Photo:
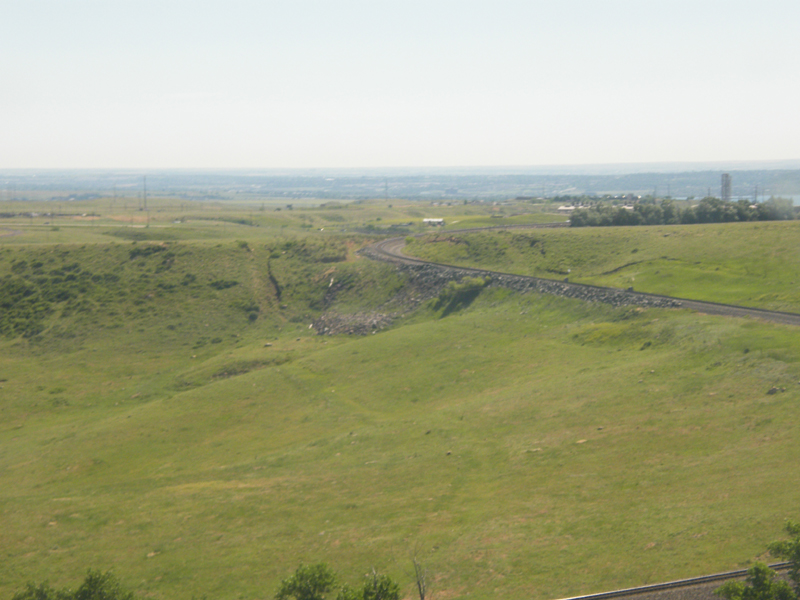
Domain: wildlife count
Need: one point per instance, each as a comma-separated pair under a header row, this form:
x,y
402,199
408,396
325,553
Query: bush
x,y
40,592
376,587
223,284
101,586
761,583
315,581
308,583
96,586
789,550
145,251
459,295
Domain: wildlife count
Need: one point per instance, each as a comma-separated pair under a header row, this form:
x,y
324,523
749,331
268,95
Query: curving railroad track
x,y
392,250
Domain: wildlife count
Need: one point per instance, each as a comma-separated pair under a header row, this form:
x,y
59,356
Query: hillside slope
x,y
151,429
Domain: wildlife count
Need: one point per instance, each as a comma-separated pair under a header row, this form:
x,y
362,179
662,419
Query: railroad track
x,y
695,588
678,589
392,250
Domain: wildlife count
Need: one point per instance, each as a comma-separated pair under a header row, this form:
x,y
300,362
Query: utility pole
x,y
144,184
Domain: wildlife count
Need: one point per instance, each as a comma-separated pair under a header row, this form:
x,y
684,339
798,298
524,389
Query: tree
x,y
380,587
714,210
421,580
761,585
775,209
101,586
40,592
96,586
671,212
376,587
789,550
744,212
311,582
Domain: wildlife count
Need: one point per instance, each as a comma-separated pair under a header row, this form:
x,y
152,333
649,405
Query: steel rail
x,y
692,581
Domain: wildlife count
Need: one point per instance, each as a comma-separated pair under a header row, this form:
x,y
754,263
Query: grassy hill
x,y
751,264
196,436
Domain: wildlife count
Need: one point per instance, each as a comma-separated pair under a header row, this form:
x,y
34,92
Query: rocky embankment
x,y
428,280
355,324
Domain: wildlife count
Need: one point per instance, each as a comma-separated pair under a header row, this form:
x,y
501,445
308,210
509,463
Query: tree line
x,y
309,582
319,582
669,212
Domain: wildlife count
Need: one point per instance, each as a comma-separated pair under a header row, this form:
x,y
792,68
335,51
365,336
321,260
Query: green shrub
x,y
760,585
762,582
375,587
789,550
223,284
146,250
311,582
42,592
96,586
101,586
456,296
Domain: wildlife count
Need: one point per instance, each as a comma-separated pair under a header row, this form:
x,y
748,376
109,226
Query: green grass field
x,y
195,436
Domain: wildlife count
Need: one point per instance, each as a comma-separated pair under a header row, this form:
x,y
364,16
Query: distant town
x,y
754,181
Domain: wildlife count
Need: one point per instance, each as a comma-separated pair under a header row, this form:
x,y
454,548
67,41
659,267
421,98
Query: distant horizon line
x,y
621,168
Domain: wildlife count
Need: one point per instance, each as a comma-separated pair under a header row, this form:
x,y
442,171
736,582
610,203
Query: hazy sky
x,y
138,84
